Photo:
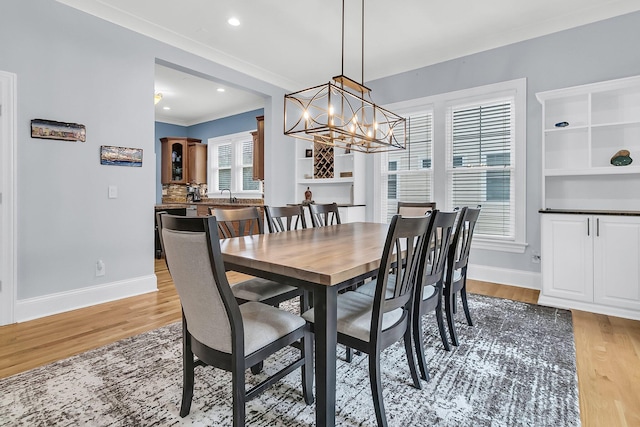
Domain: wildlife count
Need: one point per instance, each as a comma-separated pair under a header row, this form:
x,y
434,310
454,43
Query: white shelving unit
x,y
603,119
342,190
591,208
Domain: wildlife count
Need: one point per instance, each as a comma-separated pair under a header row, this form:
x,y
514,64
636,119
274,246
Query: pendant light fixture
x,y
341,114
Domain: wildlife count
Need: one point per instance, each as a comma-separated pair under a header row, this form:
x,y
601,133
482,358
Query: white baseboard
x,y
33,308
505,276
590,307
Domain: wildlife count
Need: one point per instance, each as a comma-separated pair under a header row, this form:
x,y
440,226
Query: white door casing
x,y
8,142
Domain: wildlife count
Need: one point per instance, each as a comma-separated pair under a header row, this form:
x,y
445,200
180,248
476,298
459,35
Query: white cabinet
x,y
336,176
590,257
592,263
601,119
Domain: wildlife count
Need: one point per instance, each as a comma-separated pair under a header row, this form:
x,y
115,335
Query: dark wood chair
x,y
371,324
234,222
428,296
216,329
323,215
415,208
241,222
284,218
458,261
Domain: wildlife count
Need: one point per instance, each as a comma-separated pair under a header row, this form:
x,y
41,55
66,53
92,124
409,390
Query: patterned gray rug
x,y
516,367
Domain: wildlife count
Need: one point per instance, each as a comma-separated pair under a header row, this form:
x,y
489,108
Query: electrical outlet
x,y
100,268
535,257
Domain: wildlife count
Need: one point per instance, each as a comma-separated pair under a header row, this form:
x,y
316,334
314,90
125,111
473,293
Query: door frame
x,y
8,217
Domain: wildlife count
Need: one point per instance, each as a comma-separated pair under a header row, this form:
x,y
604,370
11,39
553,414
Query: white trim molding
x,y
34,308
588,306
505,276
8,239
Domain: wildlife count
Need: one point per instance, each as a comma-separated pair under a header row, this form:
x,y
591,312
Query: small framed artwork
x,y
308,152
50,129
120,156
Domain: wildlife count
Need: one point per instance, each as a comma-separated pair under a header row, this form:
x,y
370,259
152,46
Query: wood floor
x,y
607,348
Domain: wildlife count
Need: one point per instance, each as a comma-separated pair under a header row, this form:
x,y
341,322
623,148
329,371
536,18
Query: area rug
x,y
516,367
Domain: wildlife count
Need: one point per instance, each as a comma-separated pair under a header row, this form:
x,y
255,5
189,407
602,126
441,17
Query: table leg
x,y
325,311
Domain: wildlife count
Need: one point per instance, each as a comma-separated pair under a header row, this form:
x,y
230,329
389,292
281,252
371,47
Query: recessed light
x,y
234,22
220,89
166,108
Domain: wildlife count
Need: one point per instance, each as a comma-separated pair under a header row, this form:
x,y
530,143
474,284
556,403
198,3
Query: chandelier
x,y
340,113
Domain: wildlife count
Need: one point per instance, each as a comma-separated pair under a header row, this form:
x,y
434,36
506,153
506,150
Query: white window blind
x,y
480,163
407,174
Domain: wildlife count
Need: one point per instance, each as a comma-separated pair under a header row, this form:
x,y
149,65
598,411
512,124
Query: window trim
x,y
236,140
439,105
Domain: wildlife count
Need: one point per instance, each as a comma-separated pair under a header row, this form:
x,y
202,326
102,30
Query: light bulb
x,y
331,110
306,115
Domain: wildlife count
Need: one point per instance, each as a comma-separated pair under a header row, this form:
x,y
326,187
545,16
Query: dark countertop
x,y
589,212
340,205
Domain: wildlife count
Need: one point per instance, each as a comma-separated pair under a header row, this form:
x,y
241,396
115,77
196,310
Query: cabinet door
x,y
197,171
616,261
567,256
258,150
174,154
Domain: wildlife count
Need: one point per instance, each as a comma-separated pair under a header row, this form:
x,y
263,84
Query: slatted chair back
x,y
415,208
440,236
461,243
285,218
324,214
234,222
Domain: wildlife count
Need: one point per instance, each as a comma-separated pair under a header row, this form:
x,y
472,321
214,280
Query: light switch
x,y
113,192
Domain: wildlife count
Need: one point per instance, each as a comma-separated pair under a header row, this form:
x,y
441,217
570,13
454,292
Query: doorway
x,y
8,137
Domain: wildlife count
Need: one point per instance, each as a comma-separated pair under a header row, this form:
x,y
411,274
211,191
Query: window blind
x,y
407,174
481,149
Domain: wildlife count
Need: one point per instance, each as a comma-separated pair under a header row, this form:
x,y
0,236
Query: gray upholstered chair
x,y
217,330
429,292
372,323
285,218
323,215
415,208
456,273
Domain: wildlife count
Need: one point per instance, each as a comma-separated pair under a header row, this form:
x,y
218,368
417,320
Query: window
x,y
231,164
478,157
480,143
407,175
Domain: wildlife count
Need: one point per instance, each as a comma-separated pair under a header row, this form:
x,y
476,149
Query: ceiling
x,y
294,44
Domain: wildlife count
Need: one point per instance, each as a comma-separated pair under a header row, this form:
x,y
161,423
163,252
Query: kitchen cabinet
x,y
258,150
591,262
183,160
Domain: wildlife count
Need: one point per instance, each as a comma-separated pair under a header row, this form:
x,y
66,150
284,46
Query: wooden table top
x,y
326,255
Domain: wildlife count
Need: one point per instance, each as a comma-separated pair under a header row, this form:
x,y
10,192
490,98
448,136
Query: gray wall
x,y
601,51
74,67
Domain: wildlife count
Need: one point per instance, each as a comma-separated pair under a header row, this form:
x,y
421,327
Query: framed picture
x,y
308,152
49,129
120,156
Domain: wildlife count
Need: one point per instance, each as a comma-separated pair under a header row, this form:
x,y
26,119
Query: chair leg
x,y
307,368
348,355
376,388
257,368
449,301
419,345
410,359
239,396
465,305
441,328
188,367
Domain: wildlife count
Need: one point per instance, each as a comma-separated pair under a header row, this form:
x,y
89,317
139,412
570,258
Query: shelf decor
x,y
50,129
337,114
621,158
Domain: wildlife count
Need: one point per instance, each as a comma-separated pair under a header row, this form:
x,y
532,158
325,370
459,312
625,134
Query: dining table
x,y
320,260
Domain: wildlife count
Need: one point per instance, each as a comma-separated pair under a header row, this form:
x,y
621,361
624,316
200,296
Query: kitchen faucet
x,y
230,197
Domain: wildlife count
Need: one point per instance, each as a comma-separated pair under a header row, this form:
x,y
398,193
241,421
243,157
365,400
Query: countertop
x,y
589,212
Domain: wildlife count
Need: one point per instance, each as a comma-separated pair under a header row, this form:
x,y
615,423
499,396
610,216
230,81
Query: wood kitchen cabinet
x,y
184,160
258,150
